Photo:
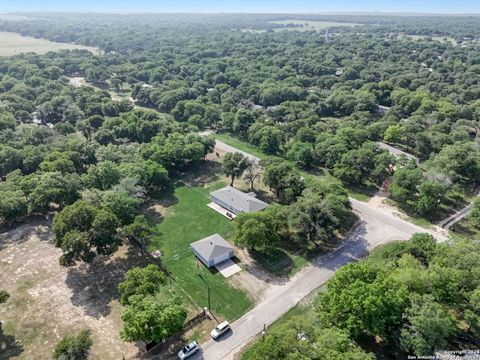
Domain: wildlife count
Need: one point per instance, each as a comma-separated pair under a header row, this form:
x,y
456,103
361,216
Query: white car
x,y
220,329
188,350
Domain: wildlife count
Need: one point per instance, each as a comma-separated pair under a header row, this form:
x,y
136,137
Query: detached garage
x,y
212,250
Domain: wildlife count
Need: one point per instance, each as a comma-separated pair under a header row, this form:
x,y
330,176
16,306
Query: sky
x,y
215,6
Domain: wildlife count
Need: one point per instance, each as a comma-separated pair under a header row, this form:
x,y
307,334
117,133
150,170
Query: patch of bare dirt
x,y
379,201
253,279
216,155
48,301
154,210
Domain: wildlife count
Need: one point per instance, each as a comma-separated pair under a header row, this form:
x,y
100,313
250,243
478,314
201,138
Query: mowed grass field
x,y
190,219
14,44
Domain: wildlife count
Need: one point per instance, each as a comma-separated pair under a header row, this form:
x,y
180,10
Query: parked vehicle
x,y
220,329
188,350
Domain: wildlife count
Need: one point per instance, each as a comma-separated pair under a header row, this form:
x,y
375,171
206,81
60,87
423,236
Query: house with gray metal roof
x,y
237,201
212,250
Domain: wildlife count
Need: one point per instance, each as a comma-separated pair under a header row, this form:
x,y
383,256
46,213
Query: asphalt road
x,y
220,145
376,227
395,151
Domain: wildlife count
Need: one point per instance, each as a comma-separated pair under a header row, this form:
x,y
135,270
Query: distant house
x,y
382,110
237,201
212,250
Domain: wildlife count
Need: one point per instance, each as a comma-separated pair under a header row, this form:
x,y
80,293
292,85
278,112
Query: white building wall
x,y
224,205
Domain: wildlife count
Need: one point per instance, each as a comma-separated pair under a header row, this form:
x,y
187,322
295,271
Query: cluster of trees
x,y
416,297
410,186
75,151
302,338
440,180
312,216
152,312
111,190
419,295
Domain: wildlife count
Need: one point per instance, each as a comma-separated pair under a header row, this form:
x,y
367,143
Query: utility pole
x,y
208,289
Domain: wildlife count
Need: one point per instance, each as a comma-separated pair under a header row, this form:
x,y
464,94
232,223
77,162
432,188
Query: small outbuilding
x,y
212,250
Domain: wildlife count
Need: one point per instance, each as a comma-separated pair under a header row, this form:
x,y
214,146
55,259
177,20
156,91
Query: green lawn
x,y
189,220
466,228
280,261
362,192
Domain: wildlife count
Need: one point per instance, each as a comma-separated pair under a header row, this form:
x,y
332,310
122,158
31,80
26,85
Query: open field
x,y
12,17
188,219
48,301
14,44
302,25
307,25
441,39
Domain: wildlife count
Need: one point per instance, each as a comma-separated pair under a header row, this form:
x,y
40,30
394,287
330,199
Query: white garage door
x,y
221,258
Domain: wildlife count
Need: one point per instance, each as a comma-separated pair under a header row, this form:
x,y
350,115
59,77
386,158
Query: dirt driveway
x,y
48,301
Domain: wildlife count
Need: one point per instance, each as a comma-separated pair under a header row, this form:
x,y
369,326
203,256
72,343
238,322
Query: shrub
x,y
73,347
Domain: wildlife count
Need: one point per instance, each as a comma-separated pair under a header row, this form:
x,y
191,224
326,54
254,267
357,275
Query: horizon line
x,y
146,12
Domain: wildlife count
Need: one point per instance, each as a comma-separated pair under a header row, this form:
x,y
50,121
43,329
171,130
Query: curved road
x,y
376,227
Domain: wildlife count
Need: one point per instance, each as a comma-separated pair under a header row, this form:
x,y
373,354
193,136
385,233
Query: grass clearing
x,y
279,261
14,44
362,192
466,228
308,25
190,219
442,39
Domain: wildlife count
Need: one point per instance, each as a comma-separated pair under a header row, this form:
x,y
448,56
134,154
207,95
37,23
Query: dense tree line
x,y
310,212
151,312
424,293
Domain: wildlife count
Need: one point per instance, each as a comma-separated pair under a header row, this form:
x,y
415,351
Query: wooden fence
x,y
204,314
